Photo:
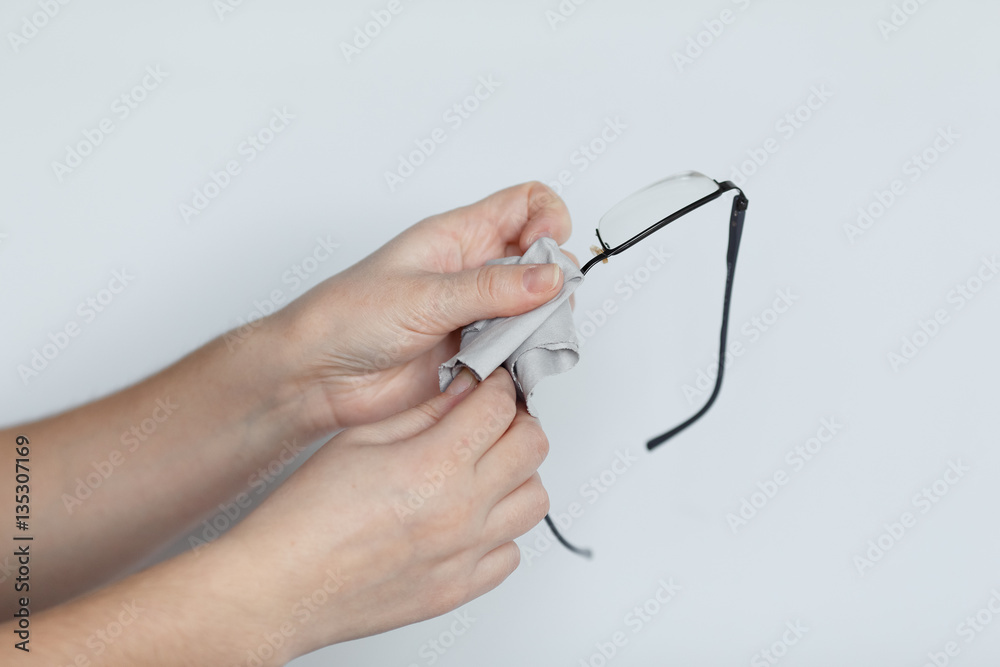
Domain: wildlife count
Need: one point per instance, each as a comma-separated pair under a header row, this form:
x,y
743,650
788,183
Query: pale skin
x,y
336,552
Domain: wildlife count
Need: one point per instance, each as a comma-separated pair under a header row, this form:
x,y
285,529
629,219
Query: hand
x,y
401,521
367,342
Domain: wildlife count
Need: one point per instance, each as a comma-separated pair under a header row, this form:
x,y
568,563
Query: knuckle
x,y
540,194
501,399
541,197
446,531
505,410
427,413
429,300
453,593
542,503
488,285
539,443
514,557
502,386
507,558
532,440
410,299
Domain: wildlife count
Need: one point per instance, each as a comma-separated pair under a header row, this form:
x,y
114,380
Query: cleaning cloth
x,y
530,346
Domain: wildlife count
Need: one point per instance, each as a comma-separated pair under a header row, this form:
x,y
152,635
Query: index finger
x,y
473,426
517,216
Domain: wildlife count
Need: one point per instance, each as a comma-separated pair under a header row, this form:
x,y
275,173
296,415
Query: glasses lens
x,y
645,208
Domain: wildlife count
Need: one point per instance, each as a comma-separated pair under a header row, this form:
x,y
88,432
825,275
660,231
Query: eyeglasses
x,y
652,209
648,211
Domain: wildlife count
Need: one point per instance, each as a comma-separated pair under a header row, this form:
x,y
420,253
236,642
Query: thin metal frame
x,y
736,217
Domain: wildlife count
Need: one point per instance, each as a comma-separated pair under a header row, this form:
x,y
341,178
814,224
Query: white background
x,y
666,516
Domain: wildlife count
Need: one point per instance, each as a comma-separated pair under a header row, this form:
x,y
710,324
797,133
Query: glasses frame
x,y
736,217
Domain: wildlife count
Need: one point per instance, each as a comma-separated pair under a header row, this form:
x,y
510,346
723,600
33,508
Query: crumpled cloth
x,y
531,346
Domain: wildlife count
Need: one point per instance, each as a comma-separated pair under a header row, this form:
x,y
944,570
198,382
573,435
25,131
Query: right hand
x,y
402,520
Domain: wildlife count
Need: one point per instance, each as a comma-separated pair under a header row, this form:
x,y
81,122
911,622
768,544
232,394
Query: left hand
x,y
367,342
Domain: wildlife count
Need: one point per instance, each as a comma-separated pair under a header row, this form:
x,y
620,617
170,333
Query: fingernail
x,y
538,235
541,278
464,381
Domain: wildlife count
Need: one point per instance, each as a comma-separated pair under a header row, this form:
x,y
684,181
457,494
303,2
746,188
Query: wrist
x,y
276,622
267,365
247,614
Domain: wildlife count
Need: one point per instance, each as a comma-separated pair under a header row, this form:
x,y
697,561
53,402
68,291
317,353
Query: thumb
x,y
419,418
496,290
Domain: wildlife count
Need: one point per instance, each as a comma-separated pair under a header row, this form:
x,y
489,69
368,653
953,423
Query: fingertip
x,y
548,216
501,376
534,236
501,382
542,278
462,383
549,229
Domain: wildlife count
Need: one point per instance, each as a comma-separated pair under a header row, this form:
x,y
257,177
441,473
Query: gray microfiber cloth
x,y
530,346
